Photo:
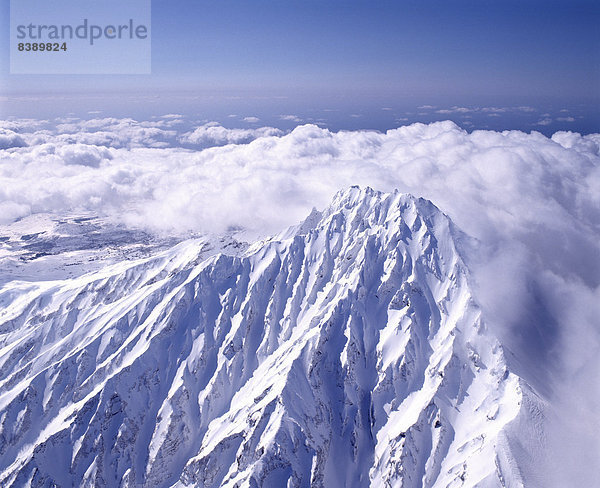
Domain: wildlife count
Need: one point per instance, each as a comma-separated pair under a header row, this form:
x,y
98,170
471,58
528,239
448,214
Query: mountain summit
x,y
346,352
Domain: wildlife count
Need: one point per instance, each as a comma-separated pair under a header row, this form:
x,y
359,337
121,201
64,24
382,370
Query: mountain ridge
x,y
346,351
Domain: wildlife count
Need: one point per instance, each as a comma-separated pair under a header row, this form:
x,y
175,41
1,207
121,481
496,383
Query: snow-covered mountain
x,y
346,352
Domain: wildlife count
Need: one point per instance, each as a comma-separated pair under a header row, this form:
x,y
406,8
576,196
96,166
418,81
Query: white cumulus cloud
x,y
9,139
213,134
532,203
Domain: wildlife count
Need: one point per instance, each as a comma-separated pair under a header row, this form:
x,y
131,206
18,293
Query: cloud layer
x,y
531,202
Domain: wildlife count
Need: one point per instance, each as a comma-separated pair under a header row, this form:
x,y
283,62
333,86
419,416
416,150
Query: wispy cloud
x,y
488,110
291,118
455,110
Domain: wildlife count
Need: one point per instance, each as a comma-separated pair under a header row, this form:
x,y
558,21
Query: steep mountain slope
x,y
347,351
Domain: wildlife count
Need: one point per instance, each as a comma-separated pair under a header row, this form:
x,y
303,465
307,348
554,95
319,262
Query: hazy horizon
x,y
346,65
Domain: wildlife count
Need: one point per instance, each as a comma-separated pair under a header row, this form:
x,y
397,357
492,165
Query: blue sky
x,y
350,56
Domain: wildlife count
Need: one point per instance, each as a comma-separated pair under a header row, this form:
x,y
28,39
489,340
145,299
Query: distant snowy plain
x,y
97,271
